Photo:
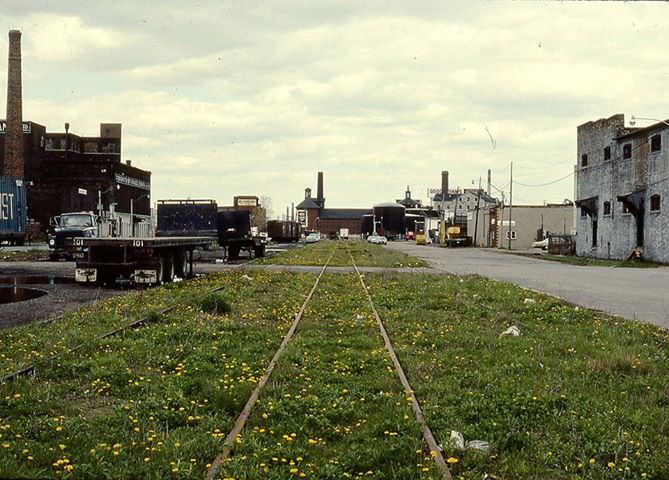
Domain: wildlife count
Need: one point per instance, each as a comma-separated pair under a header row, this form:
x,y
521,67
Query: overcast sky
x,y
222,98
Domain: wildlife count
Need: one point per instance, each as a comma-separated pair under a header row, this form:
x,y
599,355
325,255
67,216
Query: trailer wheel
x,y
160,269
233,252
181,264
260,251
169,269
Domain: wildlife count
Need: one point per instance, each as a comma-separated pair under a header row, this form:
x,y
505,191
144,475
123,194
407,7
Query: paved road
x,y
634,293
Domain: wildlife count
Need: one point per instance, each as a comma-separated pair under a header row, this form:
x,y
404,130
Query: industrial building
x,y
314,217
622,183
67,173
64,172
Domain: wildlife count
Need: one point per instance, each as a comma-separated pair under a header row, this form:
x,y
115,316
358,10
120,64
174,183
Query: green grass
x,y
577,395
155,402
32,255
365,255
594,262
334,408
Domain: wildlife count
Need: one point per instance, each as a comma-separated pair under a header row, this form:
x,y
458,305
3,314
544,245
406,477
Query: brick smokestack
x,y
489,182
444,183
319,191
13,161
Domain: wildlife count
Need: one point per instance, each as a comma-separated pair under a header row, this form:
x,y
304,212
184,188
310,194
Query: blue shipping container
x,y
13,209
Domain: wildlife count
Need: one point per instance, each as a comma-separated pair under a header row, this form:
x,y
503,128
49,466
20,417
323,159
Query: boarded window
x,y
607,153
655,143
627,150
655,203
607,208
584,160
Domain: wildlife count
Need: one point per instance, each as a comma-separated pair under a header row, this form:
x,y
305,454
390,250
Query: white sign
x,y
132,182
505,223
83,191
302,217
25,126
247,202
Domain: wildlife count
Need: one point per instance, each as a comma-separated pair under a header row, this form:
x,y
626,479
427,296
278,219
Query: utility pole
x,y
510,204
478,202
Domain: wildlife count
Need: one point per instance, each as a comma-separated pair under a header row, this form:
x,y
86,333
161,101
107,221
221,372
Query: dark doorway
x,y
594,233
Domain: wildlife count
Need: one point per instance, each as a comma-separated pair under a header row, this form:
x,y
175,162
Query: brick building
x,y
622,184
66,172
314,217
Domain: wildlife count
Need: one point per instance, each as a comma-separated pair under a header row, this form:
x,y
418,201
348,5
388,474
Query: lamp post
x,y
634,119
132,211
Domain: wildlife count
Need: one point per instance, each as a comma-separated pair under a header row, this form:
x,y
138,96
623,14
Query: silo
x,y
390,218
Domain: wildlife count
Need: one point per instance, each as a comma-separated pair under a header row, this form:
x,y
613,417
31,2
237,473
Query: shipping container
x,y
12,210
187,218
283,231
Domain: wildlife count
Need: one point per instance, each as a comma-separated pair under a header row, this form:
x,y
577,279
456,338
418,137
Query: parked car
x,y
312,238
542,244
377,239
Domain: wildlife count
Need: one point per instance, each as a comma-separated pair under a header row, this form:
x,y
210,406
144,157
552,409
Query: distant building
x,y
460,202
529,223
622,186
66,172
314,217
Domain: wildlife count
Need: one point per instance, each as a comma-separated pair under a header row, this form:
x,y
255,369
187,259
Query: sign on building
x,y
132,182
302,217
26,127
247,202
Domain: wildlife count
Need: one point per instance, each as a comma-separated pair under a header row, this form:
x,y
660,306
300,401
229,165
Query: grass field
x,y
365,255
578,395
594,262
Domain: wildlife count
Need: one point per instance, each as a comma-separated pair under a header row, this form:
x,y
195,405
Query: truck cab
x,y
66,227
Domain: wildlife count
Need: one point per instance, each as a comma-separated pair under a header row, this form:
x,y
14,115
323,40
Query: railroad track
x,y
435,451
150,318
229,443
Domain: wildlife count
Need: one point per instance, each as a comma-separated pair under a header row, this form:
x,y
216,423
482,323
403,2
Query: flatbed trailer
x,y
150,260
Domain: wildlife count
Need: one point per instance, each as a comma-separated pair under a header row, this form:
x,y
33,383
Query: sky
x,y
223,98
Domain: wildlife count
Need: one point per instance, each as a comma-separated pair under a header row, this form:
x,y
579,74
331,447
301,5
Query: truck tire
x,y
260,251
160,271
233,252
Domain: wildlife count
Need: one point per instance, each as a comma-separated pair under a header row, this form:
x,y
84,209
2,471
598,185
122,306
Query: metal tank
x,y
390,219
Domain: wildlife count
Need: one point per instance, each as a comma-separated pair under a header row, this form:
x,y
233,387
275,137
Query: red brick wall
x,y
327,226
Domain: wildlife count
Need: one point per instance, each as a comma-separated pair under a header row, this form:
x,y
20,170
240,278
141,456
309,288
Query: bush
x,y
216,302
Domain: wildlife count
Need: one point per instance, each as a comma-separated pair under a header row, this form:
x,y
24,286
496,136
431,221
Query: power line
x,y
544,184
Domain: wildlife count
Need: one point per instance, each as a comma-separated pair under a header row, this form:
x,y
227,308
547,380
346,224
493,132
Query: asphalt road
x,y
633,293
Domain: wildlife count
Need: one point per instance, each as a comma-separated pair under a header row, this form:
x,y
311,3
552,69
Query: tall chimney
x,y
489,181
444,183
319,190
13,161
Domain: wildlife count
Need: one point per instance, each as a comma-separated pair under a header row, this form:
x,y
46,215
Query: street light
x,y
67,138
132,210
634,119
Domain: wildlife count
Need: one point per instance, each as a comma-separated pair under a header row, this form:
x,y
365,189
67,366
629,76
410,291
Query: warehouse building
x,y
68,173
622,186
314,217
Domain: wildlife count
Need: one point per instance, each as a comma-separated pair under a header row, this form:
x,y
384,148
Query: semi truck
x,y
13,211
67,226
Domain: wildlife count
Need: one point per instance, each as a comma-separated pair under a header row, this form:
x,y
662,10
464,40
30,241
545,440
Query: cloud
x,y
224,98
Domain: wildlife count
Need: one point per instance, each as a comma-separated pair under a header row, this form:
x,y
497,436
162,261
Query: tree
x,y
262,213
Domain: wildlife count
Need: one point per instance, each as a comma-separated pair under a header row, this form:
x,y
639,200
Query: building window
x,y
625,209
607,153
513,234
584,160
607,208
655,143
627,150
655,203
584,212
594,233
